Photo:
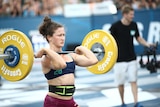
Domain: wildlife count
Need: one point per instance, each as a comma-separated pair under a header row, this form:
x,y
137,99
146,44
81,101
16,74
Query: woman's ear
x,y
48,38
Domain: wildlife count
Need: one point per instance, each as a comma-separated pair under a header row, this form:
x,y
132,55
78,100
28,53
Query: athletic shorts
x,y
124,71
54,102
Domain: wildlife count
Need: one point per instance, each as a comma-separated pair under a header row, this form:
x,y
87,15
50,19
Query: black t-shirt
x,y
123,35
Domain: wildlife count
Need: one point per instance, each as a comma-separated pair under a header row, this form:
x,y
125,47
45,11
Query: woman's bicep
x,y
83,61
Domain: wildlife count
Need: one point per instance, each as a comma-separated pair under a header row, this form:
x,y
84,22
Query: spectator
x,y
157,3
1,7
119,3
136,4
5,9
16,8
31,8
152,4
52,7
58,7
143,4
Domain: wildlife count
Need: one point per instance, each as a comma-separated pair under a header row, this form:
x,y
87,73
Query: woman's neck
x,y
56,49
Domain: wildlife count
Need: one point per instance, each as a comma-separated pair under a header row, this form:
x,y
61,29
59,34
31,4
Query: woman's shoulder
x,y
45,62
72,55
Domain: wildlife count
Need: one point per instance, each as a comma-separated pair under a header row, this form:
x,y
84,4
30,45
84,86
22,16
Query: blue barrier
x,y
77,27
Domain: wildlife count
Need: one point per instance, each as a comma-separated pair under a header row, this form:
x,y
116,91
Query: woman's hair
x,y
126,9
48,27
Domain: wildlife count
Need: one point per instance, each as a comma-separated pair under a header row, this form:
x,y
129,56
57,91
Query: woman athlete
x,y
59,68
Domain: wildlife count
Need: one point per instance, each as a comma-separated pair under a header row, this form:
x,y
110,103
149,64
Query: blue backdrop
x,y
77,27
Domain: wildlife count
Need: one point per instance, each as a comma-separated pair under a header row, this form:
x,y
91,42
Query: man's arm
x,y
143,42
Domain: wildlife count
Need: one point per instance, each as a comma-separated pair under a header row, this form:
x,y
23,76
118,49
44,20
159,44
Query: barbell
x,y
17,55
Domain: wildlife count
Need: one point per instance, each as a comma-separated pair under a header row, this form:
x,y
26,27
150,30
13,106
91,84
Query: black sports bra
x,y
70,68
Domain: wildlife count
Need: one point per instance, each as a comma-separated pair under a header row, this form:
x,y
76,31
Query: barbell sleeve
x,y
4,56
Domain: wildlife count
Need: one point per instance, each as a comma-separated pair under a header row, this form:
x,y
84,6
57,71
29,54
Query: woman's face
x,y
58,38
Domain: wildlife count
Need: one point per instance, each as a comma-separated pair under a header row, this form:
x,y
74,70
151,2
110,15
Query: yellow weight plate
x,y
22,43
110,48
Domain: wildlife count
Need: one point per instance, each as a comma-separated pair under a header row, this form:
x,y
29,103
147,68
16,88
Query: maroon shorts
x,y
54,102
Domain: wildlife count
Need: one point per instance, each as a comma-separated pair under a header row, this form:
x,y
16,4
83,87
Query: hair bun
x,y
47,19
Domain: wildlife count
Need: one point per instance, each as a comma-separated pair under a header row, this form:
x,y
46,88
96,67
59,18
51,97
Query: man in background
x,y
124,31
